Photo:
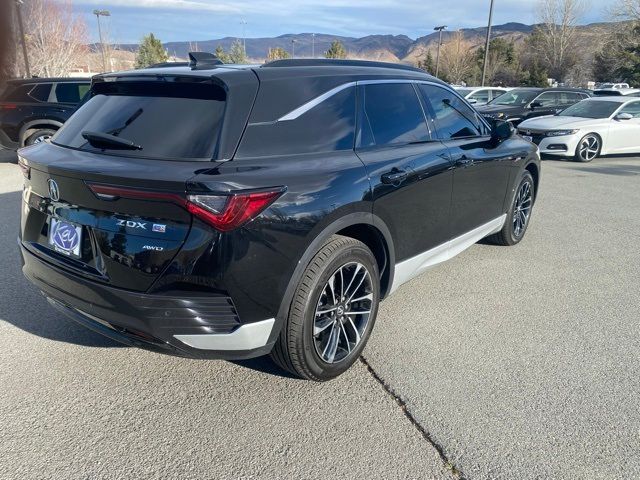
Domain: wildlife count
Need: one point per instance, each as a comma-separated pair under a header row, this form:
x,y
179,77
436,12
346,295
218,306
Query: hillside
x,y
390,48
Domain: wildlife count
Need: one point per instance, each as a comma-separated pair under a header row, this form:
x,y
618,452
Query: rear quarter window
x,y
328,126
168,120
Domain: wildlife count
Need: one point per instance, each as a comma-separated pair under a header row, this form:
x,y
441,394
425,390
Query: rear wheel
x,y
588,148
332,313
39,136
515,226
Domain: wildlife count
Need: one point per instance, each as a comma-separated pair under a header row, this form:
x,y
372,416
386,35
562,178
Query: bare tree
x,y
7,53
554,40
457,58
625,10
56,37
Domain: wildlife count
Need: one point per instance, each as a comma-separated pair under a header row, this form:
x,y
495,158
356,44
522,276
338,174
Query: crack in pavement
x,y
449,465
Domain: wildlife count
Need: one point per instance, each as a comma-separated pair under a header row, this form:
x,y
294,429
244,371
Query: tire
x,y
519,214
337,324
39,136
589,147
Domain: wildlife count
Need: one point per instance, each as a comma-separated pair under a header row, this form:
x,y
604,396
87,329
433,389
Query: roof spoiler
x,y
203,60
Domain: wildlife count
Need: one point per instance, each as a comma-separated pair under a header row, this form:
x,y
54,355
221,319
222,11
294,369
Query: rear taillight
x,y
223,212
8,106
228,212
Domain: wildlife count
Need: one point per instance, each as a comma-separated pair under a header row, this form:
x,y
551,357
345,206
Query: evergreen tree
x,y
237,53
336,50
536,76
427,63
150,52
277,53
222,55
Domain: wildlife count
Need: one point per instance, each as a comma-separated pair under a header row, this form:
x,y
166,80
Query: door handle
x,y
394,177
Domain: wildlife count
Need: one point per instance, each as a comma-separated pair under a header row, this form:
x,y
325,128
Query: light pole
x,y
98,14
313,45
293,48
244,38
486,46
439,29
23,38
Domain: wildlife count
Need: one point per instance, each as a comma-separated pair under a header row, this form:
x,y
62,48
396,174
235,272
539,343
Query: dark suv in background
x,y
219,211
520,104
33,110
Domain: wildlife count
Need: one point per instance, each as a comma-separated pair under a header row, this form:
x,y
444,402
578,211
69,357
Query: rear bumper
x,y
189,326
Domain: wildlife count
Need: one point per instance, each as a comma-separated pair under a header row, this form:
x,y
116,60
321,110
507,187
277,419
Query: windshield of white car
x,y
464,91
515,97
591,109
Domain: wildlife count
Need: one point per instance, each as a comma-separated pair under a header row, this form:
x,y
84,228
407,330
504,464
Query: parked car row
x,y
32,110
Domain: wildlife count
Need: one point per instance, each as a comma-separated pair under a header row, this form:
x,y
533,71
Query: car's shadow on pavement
x,y
21,304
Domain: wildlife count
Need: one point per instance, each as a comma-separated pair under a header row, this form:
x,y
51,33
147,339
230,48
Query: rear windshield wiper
x,y
105,140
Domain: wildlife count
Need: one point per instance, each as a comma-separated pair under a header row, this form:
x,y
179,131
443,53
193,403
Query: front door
x,y
481,168
410,171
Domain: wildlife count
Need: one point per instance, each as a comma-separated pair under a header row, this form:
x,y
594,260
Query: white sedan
x,y
590,128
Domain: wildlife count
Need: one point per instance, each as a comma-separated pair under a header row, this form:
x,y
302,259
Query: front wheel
x,y
332,313
588,148
519,214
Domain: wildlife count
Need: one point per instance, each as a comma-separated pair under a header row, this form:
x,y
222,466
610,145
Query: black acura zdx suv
x,y
220,211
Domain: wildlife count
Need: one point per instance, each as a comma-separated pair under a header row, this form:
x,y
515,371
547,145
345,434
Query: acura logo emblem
x,y
54,191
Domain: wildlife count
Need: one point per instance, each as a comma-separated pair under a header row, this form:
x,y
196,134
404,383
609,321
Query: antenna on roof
x,y
203,60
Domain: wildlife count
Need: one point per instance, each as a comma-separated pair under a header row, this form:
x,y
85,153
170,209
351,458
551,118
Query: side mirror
x,y
535,105
501,130
623,116
472,101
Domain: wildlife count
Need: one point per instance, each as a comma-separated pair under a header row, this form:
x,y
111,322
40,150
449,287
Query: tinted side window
x,y
632,109
481,96
391,115
40,92
70,92
453,118
548,99
329,126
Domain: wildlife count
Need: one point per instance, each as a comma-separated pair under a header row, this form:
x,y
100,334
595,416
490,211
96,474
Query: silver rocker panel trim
x,y
414,266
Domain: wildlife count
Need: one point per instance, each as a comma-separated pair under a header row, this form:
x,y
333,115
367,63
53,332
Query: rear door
x,y
481,169
624,134
409,170
110,213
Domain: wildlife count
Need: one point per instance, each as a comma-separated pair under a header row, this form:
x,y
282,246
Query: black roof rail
x,y
203,60
331,62
168,65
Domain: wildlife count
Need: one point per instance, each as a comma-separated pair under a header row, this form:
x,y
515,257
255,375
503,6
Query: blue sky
x,y
174,20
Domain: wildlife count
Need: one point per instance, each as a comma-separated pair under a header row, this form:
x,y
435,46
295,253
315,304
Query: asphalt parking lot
x,y
506,363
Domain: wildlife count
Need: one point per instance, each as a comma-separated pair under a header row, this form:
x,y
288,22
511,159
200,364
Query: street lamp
x,y
244,38
486,47
23,38
293,48
313,45
439,29
98,14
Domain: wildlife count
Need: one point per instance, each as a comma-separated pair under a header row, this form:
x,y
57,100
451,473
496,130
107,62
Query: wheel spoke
x,y
346,338
358,267
332,287
358,287
368,296
355,330
362,312
321,325
329,352
341,283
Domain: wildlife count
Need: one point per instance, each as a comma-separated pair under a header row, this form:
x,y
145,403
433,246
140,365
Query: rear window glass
x,y
71,92
18,93
166,119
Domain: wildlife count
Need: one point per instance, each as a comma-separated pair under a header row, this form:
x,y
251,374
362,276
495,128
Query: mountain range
x,y
390,48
